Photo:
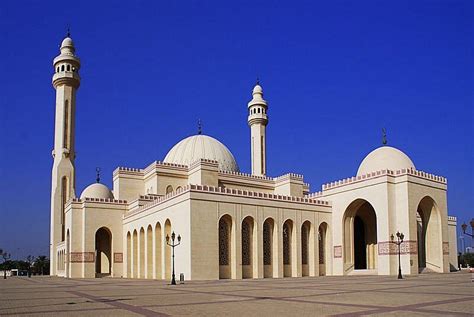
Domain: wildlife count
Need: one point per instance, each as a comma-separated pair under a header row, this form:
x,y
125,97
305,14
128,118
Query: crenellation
x,y
420,174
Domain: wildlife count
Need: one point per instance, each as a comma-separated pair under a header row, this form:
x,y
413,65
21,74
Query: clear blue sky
x,y
334,73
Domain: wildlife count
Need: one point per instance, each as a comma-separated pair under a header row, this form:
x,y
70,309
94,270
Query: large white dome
x,y
97,190
201,146
385,157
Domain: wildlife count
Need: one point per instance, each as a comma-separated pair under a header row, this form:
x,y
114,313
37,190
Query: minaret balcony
x,y
66,78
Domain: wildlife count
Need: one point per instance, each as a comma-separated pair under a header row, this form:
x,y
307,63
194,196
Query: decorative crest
x,y
97,170
199,127
384,136
68,31
258,81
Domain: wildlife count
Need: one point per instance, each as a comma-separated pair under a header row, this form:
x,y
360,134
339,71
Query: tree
x,y
41,265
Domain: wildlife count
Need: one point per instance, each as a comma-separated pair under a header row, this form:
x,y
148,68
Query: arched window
x,y
178,188
66,125
64,197
68,68
57,69
304,244
286,244
224,240
267,243
169,189
246,243
258,110
62,68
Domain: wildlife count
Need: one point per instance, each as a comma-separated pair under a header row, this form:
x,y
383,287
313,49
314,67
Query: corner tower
x,y
258,121
66,81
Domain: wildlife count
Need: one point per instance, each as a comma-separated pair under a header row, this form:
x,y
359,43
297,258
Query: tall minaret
x,y
66,81
258,121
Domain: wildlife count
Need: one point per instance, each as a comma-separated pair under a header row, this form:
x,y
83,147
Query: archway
x,y
306,260
103,251
142,253
149,252
135,254
268,254
225,259
248,260
129,255
360,236
158,249
430,251
167,250
322,246
288,248
68,251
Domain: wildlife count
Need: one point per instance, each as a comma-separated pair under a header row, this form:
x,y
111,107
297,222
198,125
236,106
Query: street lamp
x,y
173,245
6,256
399,241
464,227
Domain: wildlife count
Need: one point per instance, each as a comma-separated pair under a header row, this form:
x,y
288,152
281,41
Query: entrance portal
x,y
103,252
360,237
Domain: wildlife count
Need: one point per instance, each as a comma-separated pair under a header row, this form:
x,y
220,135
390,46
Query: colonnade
x,y
271,250
147,255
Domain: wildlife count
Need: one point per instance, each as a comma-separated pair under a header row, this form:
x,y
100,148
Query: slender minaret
x,y
66,81
258,121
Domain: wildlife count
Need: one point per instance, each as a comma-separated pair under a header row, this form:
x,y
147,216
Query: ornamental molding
x,y
82,257
390,248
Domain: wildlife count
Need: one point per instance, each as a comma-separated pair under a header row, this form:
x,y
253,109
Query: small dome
x,y
385,157
67,42
201,146
97,190
257,89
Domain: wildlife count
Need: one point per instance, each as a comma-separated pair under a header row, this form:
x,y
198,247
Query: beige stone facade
x,y
234,225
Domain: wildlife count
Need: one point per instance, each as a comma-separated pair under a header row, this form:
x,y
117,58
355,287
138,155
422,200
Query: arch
x,y
68,68
149,252
68,251
360,236
142,253
225,252
430,250
103,251
129,255
249,267
167,250
179,188
135,254
289,246
64,198
323,248
62,68
307,261
66,121
158,249
270,245
169,189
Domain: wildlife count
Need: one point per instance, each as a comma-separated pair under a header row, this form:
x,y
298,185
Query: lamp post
x,y
399,241
6,256
173,245
464,227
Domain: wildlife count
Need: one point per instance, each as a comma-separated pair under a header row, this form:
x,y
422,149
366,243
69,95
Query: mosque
x,y
234,225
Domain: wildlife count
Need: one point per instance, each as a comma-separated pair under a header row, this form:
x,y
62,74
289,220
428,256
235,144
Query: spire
x,y
97,171
68,32
199,127
258,81
384,136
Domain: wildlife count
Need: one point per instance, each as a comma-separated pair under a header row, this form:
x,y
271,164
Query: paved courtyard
x,y
425,295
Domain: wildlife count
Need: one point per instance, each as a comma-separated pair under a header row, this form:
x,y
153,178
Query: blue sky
x,y
334,73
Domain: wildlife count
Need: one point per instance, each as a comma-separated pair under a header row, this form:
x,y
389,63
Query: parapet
x,y
385,172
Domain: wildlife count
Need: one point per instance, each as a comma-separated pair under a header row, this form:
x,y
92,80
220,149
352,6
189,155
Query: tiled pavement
x,y
425,295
